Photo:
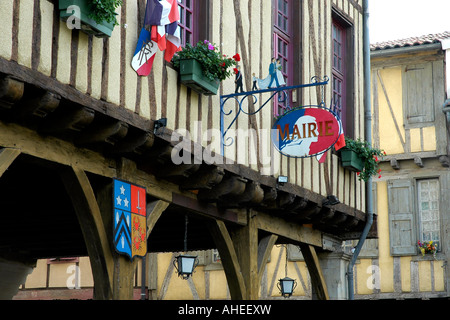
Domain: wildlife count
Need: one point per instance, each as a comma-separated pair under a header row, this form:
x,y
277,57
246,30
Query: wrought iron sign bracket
x,y
283,97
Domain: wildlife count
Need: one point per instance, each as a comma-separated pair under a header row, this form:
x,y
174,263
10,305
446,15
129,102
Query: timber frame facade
x,y
74,115
409,81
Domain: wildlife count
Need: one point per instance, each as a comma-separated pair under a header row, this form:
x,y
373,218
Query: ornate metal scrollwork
x,y
240,98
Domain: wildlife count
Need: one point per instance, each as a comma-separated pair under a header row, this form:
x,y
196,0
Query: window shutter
x,y
418,93
401,218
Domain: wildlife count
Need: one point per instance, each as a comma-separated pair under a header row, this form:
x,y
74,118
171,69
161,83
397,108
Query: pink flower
x,y
210,47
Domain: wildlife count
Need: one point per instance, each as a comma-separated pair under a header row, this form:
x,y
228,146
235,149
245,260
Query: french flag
x,y
160,31
144,54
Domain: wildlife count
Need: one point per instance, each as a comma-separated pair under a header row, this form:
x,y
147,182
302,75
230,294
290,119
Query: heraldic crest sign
x,y
130,219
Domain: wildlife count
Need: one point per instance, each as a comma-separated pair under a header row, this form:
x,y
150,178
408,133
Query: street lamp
x,y
185,264
286,285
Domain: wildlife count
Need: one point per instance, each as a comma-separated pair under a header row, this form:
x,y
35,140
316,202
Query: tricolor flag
x,y
160,31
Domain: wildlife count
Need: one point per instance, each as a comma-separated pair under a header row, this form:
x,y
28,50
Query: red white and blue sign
x,y
308,132
130,219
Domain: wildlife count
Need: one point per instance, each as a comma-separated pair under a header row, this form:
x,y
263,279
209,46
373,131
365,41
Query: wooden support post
x,y
154,211
7,157
124,268
243,258
245,241
315,271
92,225
264,249
229,259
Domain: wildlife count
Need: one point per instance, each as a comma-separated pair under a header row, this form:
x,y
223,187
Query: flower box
x,y
89,26
351,160
191,75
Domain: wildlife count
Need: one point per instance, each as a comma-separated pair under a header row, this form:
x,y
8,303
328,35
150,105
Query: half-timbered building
x,y
410,122
74,115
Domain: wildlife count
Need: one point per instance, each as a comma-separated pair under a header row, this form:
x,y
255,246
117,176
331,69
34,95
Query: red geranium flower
x,y
237,57
236,70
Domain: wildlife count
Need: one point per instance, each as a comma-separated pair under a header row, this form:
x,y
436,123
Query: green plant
x,y
370,156
104,10
215,65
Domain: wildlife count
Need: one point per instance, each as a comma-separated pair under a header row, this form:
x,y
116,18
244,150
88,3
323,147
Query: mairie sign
x,y
306,132
130,219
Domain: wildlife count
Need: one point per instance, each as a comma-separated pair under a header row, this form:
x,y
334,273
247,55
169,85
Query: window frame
x,y
200,21
291,59
184,29
411,119
345,74
415,215
419,211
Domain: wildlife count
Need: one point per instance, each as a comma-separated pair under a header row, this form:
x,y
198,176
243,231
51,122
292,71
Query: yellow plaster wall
x,y
389,138
386,261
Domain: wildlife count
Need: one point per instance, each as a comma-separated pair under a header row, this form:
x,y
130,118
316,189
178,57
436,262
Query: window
x,y
194,21
342,77
283,47
186,23
418,93
429,219
339,85
414,214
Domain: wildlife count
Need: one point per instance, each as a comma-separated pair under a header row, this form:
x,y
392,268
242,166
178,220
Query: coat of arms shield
x,y
130,219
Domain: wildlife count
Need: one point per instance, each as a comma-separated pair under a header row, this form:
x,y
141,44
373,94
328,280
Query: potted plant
x,y
202,67
360,157
427,247
96,17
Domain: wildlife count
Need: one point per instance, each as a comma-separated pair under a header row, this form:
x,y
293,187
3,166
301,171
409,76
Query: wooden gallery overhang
x,y
46,119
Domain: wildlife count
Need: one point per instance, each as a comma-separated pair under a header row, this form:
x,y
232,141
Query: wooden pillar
x,y
7,157
124,268
245,241
243,257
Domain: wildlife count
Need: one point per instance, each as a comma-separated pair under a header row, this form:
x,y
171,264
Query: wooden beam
x,y
7,157
229,186
229,258
289,230
11,91
154,212
264,249
92,225
245,240
315,271
70,93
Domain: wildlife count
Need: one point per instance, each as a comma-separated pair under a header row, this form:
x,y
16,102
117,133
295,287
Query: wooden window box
x,y
191,75
89,26
351,160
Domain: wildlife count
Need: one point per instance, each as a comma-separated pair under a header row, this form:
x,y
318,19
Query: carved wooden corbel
x,y
11,91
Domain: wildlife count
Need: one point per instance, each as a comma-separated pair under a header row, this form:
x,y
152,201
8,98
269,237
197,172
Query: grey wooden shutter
x,y
418,93
402,231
